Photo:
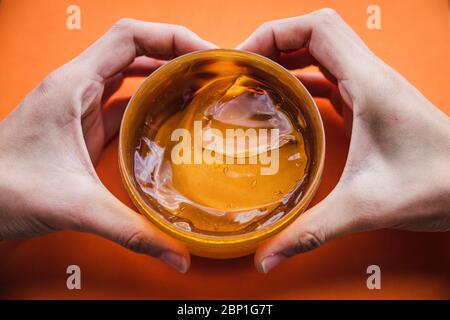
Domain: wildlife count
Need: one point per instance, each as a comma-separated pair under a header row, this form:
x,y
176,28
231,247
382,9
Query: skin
x,y
52,140
396,174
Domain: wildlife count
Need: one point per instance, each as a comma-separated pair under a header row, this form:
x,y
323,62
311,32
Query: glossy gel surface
x,y
236,189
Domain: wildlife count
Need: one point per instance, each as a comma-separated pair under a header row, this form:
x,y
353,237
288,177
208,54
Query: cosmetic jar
x,y
185,168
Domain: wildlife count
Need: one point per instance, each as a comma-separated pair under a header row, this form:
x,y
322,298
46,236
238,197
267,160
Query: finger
x,y
142,67
111,86
321,87
300,59
327,74
112,117
107,217
130,38
297,59
329,219
329,40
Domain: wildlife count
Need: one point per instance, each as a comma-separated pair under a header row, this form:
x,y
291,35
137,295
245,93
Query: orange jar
x,y
221,149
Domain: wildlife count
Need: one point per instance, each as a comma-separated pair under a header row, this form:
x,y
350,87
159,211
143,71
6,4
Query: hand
x,y
397,172
51,141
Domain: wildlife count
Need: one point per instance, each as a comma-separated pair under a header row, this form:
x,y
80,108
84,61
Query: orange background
x,y
414,39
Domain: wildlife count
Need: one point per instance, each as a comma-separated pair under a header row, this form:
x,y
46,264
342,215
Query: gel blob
x,y
222,152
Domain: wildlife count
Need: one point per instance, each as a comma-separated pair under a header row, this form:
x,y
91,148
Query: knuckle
x,y
267,26
309,240
122,26
124,23
135,242
50,83
181,29
57,80
265,29
138,242
306,241
327,14
71,84
327,17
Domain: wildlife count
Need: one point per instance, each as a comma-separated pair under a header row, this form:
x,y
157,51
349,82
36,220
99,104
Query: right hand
x,y
50,143
397,172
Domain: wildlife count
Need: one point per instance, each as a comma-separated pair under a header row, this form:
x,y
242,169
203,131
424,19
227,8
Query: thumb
x,y
329,219
107,217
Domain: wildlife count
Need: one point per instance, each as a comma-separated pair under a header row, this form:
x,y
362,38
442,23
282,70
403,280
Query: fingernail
x,y
174,260
270,262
